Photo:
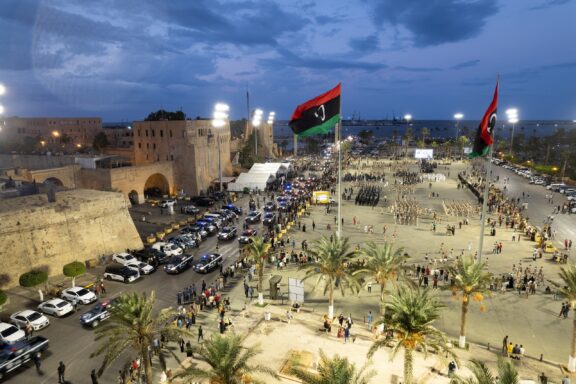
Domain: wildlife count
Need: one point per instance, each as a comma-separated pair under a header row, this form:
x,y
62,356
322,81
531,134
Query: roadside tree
x,y
73,270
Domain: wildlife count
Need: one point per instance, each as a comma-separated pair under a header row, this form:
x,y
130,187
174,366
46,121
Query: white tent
x,y
277,169
251,180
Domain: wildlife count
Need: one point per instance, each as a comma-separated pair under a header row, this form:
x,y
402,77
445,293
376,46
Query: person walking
x,y
369,320
37,362
200,334
505,346
61,373
181,343
94,377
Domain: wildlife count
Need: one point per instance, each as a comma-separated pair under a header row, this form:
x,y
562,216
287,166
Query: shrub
x,y
74,269
33,278
3,298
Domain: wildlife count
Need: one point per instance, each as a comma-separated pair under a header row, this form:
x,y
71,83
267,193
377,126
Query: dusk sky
x,y
122,59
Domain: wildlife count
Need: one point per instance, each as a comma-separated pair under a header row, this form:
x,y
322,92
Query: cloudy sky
x,y
121,59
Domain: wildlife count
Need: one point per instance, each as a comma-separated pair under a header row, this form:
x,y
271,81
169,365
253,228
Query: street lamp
x,y
2,91
512,115
458,117
219,120
256,121
407,117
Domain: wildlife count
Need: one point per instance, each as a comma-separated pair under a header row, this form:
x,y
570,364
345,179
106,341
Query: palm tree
x,y
412,314
425,132
568,289
507,374
383,264
471,281
133,326
337,370
332,256
258,253
228,360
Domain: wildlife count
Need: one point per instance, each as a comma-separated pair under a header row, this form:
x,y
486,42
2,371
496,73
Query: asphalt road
x,y
73,344
538,207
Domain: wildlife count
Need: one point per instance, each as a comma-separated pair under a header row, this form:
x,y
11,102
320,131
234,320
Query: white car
x,y
167,203
56,307
35,319
10,334
143,268
168,249
125,259
79,294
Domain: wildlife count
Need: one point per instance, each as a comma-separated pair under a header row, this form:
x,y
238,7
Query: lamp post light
x,y
2,91
219,119
256,121
458,117
270,122
512,115
408,118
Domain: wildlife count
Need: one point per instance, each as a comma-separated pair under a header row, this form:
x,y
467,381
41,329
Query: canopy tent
x,y
251,180
277,169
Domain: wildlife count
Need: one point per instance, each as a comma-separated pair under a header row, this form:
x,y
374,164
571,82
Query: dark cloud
x,y
435,22
364,44
466,64
418,69
549,4
291,59
328,19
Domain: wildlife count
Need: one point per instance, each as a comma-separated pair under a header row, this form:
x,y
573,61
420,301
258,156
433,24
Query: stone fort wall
x,y
80,225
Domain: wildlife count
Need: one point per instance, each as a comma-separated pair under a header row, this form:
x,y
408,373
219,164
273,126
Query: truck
x,y
16,355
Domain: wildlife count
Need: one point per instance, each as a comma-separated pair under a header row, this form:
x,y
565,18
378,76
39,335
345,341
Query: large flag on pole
x,y
485,133
318,115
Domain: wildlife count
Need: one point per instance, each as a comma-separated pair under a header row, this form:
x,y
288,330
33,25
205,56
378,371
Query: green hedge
x,y
74,269
33,278
3,298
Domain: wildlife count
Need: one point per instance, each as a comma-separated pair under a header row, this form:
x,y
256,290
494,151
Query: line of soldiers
x,y
368,195
408,178
406,211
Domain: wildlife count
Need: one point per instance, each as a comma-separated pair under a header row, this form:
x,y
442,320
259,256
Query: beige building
x,y
192,146
50,131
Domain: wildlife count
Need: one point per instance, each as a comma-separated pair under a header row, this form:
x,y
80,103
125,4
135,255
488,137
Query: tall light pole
x,y
512,115
219,119
256,121
408,118
2,91
270,122
458,117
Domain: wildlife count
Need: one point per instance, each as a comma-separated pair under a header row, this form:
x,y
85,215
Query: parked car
x,y
124,273
56,307
28,316
179,263
151,255
167,248
269,219
79,294
253,217
202,201
247,236
96,315
167,203
208,263
206,225
124,258
196,230
228,215
143,268
10,334
227,233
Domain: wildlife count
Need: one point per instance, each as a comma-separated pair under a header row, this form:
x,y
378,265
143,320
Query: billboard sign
x,y
424,154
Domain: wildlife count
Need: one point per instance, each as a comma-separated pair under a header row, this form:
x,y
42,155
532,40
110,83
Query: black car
x,y
202,201
227,233
151,256
96,315
270,206
247,236
233,208
253,217
179,263
18,354
269,219
208,263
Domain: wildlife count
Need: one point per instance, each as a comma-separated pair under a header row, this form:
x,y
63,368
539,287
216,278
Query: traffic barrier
x,y
167,230
151,239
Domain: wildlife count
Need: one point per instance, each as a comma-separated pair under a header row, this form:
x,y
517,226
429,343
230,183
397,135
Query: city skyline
x,y
431,59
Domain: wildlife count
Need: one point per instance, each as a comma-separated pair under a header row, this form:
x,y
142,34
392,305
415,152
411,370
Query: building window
x,y
146,156
166,157
152,133
161,133
138,133
172,157
147,145
170,133
157,157
139,145
153,145
146,133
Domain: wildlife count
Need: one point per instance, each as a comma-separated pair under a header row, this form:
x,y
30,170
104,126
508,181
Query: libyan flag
x,y
317,116
485,133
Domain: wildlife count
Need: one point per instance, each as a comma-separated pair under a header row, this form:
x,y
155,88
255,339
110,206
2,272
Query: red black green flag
x,y
485,133
317,116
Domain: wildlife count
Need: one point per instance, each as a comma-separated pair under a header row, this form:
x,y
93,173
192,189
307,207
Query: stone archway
x,y
156,186
54,181
133,197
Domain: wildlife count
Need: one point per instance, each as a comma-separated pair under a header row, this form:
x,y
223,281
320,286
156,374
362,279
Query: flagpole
x,y
339,146
295,145
486,191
